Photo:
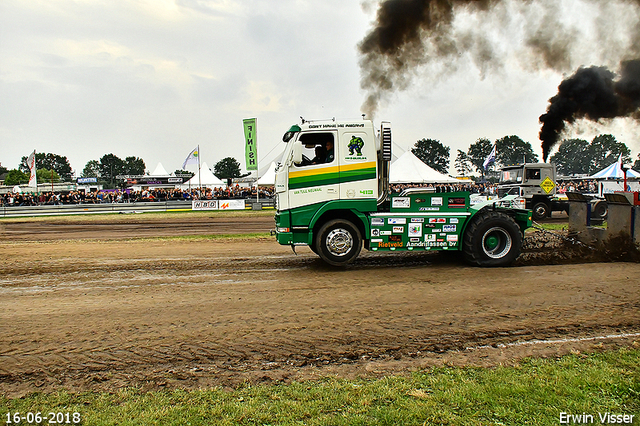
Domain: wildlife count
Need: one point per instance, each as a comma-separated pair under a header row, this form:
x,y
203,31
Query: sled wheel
x,y
338,242
492,239
600,210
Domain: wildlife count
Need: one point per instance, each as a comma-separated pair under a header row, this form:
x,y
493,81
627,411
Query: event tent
x,y
410,169
269,177
614,171
207,178
159,171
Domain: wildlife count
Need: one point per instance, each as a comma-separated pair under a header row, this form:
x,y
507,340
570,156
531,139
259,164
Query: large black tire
x,y
338,242
600,210
492,239
540,210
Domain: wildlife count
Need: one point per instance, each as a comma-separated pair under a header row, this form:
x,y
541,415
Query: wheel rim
x,y
496,243
339,242
541,211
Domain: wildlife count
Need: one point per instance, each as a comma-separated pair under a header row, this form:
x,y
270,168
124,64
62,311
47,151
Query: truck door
x,y
316,177
358,160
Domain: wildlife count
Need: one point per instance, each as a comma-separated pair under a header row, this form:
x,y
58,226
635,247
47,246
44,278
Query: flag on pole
x,y
251,143
192,158
490,159
31,162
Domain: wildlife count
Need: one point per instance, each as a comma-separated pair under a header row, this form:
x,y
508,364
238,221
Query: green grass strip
x,y
535,392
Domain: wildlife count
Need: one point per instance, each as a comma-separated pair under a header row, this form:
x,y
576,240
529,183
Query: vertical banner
x,y
31,162
251,143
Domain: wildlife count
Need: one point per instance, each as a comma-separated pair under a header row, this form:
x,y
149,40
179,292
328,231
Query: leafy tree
x,y
463,164
636,165
3,169
433,154
134,166
49,161
513,150
604,150
16,177
572,157
91,169
227,168
110,167
478,152
44,175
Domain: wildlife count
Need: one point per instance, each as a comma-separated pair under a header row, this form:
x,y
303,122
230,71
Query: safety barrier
x,y
623,218
138,207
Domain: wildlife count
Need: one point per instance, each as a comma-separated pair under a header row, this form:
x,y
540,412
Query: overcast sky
x,y
156,78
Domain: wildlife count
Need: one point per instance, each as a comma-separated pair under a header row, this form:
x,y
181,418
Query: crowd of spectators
x,y
130,196
583,186
490,189
236,192
472,187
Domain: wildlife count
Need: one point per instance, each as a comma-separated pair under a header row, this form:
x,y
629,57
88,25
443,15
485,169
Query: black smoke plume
x,y
591,93
409,34
405,30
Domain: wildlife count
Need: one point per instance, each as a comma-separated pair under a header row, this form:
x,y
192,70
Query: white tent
x,y
207,178
410,169
269,177
614,171
159,171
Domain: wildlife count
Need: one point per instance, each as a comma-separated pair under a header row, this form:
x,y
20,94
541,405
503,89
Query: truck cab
x,y
332,194
536,183
329,169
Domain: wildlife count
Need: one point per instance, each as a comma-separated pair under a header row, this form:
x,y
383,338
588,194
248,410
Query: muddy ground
x,y
88,305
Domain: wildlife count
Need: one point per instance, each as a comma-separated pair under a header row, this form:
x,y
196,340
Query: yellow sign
x,y
547,185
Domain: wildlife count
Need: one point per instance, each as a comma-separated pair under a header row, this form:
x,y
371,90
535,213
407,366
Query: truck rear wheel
x,y
338,242
540,210
492,239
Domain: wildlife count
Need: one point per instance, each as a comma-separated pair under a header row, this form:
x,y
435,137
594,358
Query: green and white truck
x,y
332,194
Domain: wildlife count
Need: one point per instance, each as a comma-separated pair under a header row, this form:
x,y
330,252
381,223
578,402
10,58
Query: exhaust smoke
x,y
594,94
560,35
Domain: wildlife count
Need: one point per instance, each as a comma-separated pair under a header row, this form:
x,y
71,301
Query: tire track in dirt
x,y
189,314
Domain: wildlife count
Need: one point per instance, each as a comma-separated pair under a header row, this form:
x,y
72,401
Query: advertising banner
x,y
217,205
251,143
231,205
204,205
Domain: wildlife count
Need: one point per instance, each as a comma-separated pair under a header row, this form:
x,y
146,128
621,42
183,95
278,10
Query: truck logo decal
x,y
397,221
355,145
401,202
415,230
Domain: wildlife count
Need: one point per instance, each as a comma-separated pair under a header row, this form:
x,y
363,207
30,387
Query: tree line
x,y
56,168
574,156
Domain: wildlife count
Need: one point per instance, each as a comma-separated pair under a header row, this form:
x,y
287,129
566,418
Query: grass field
x,y
535,392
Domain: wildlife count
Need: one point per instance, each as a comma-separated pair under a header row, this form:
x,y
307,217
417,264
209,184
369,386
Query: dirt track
x,y
99,314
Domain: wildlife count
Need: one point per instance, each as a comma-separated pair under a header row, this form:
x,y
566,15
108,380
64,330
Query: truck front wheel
x,y
540,210
492,239
338,242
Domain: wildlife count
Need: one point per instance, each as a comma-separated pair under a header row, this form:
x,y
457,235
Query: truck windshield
x,y
511,176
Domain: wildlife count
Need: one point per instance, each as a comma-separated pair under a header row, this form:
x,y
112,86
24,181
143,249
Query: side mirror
x,y
297,153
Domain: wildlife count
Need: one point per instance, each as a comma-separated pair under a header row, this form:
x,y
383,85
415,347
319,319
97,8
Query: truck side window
x,y
317,148
533,174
